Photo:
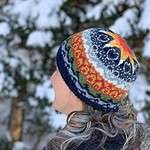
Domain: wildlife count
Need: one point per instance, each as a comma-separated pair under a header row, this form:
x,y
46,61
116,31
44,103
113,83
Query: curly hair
x,y
81,124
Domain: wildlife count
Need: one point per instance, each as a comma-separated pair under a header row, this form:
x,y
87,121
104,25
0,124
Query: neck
x,y
74,105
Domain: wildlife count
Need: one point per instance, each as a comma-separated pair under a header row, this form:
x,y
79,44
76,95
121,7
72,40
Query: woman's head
x,y
81,125
98,67
95,68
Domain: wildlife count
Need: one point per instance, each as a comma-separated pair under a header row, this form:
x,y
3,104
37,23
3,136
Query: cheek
x,y
61,95
61,100
58,89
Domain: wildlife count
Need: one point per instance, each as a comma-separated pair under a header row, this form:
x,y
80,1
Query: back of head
x,y
99,68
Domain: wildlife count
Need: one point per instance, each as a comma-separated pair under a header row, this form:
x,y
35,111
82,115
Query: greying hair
x,y
81,124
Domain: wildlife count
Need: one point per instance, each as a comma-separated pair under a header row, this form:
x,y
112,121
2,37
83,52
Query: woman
x,y
95,69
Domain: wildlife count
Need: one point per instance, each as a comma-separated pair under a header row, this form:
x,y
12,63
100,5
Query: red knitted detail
x,y
92,77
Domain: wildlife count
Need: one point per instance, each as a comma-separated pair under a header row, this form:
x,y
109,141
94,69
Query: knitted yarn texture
x,y
98,66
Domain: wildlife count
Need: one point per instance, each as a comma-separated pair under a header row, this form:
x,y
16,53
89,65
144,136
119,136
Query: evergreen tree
x,y
30,33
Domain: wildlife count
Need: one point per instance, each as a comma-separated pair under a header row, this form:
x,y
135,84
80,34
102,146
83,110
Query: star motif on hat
x,y
126,52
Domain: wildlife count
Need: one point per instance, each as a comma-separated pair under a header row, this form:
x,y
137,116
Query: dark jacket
x,y
115,143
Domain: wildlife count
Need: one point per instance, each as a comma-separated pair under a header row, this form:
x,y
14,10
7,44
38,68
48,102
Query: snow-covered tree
x,y
30,33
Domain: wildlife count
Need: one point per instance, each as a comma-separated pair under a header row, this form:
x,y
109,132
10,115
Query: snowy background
x,y
30,33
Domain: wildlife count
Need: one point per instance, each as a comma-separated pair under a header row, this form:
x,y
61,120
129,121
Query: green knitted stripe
x,y
81,77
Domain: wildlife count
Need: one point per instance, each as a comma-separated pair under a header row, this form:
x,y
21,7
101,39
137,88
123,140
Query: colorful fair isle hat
x,y
98,67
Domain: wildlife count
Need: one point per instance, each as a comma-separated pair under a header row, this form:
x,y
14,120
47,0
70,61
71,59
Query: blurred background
x,y
30,34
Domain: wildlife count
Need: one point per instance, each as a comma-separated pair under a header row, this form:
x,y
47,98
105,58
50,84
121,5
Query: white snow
x,y
117,2
20,57
146,49
9,87
132,2
145,19
13,93
54,51
1,67
4,29
47,13
39,38
13,62
19,146
67,19
44,90
23,56
22,9
33,102
94,12
3,51
4,111
137,95
42,12
44,15
2,79
58,120
122,25
137,92
111,10
118,27
141,117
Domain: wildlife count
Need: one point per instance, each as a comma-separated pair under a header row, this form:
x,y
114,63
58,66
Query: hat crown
x,y
98,66
111,55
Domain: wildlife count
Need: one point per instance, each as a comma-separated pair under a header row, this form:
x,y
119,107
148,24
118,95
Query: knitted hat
x,y
98,67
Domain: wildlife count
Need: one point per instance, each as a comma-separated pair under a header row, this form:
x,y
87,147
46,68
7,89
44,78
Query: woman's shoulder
x,y
55,140
99,141
96,139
